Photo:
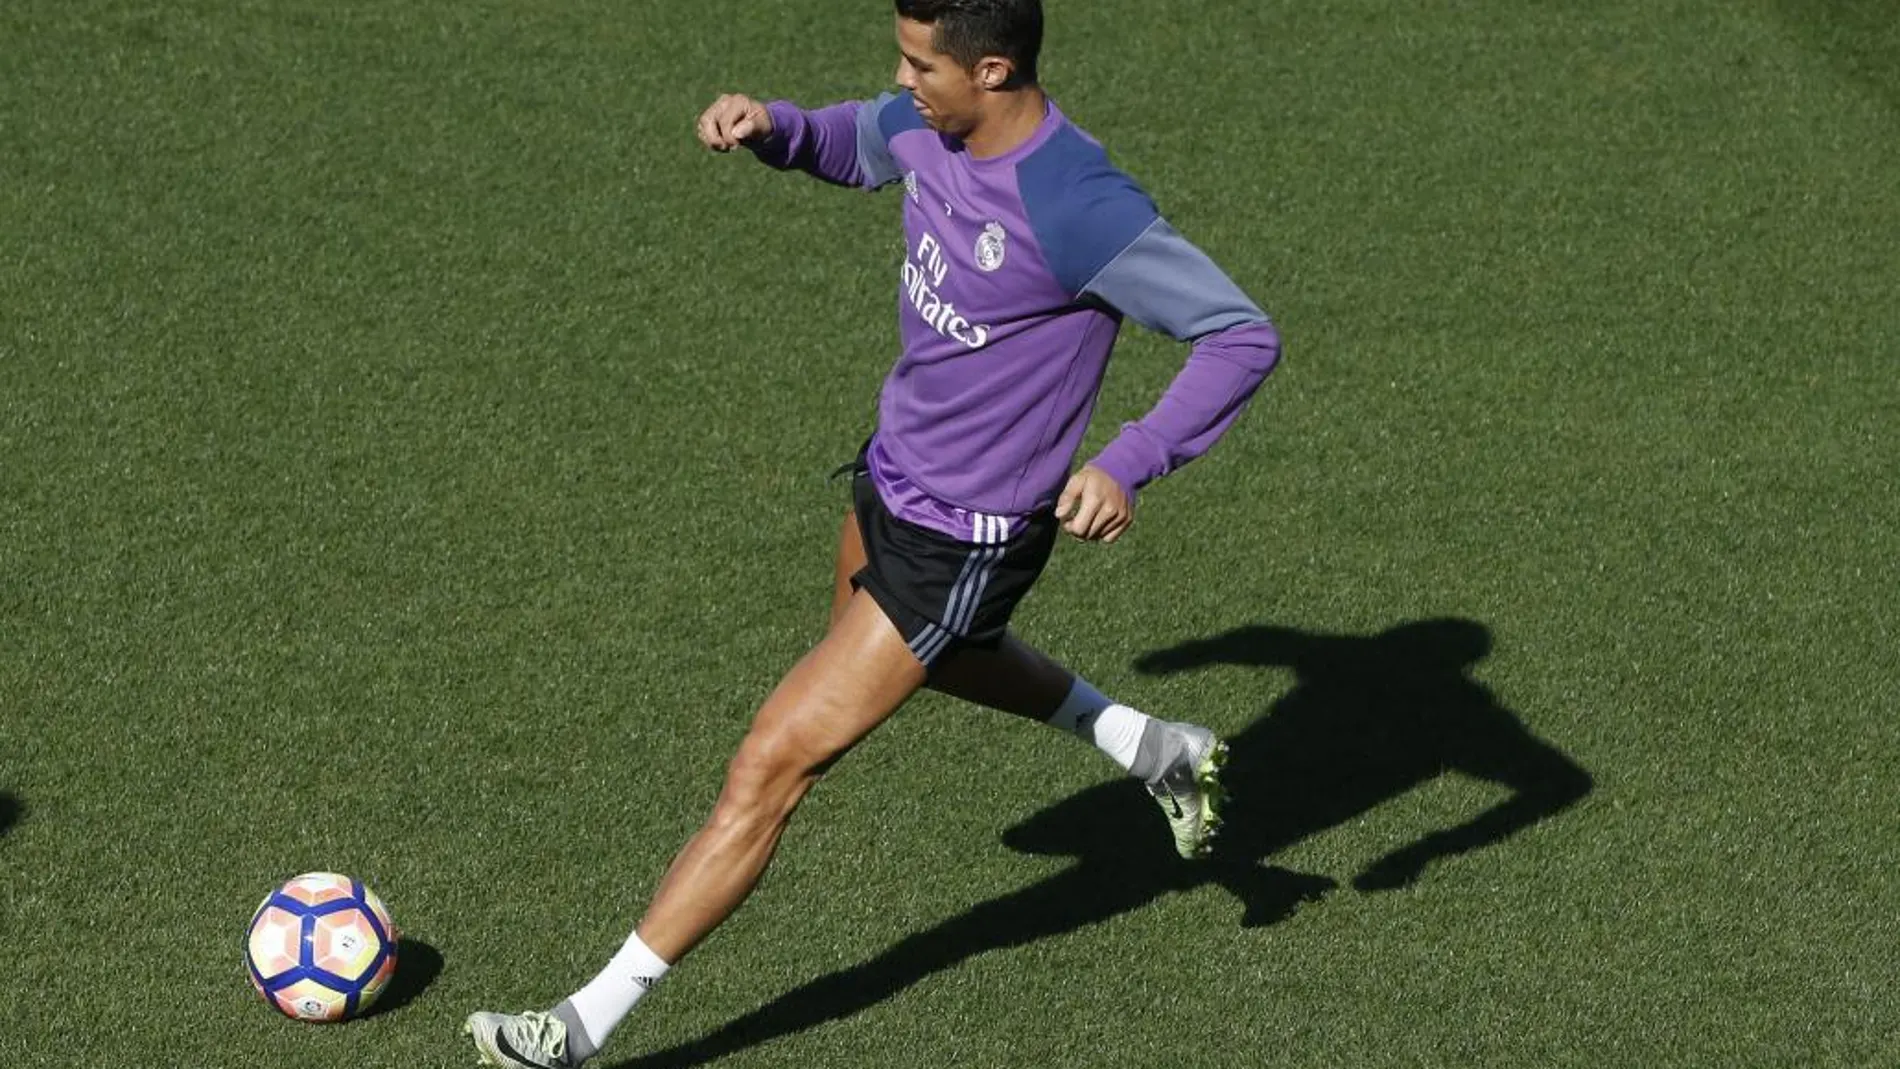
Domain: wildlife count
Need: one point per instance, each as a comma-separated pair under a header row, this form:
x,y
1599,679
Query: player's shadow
x,y
417,966
10,812
1367,719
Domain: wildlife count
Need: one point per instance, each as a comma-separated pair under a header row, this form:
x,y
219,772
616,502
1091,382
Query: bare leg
x,y
1179,762
847,685
1013,678
852,681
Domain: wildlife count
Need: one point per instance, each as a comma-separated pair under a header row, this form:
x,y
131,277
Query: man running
x,y
1025,249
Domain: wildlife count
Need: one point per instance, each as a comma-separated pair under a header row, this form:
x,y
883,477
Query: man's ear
x,y
993,72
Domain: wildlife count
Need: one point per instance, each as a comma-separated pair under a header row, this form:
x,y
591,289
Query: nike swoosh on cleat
x,y
502,1045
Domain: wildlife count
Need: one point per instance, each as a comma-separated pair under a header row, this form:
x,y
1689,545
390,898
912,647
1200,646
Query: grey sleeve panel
x,y
875,161
1162,281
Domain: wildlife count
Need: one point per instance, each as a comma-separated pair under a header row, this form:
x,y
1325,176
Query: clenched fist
x,y
732,121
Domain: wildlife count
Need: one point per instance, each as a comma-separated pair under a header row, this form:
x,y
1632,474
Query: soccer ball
x,y
321,948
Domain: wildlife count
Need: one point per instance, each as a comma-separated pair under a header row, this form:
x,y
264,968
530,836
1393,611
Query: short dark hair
x,y
968,30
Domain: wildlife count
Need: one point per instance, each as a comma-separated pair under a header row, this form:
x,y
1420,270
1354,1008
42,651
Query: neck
x,y
1010,119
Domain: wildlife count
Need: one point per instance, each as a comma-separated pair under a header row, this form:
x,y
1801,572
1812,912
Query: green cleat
x,y
1188,788
530,1040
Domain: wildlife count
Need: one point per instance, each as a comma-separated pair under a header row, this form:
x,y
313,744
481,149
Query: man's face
x,y
949,98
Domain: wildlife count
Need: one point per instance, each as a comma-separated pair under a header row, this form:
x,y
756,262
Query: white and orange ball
x,y
321,948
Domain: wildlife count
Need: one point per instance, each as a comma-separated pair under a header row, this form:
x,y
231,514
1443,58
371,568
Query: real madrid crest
x,y
989,246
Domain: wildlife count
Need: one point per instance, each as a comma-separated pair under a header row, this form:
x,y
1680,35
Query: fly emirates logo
x,y
924,273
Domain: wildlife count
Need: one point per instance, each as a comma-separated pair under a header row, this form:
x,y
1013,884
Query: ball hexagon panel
x,y
381,913
308,1000
373,988
345,944
319,888
273,944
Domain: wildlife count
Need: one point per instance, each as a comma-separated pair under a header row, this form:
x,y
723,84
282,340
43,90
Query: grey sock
x,y
579,1047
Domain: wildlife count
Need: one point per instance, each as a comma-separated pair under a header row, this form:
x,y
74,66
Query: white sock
x,y
1114,729
609,997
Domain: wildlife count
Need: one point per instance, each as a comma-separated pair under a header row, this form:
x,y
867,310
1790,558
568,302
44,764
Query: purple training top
x,y
1019,269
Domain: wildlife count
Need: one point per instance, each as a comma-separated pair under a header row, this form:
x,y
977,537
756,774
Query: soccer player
x,y
1025,249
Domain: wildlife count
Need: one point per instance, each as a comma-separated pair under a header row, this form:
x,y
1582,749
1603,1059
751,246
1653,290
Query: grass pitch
x,y
413,466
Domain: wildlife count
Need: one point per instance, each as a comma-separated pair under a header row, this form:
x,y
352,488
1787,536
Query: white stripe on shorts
x,y
969,589
929,643
960,623
989,533
987,529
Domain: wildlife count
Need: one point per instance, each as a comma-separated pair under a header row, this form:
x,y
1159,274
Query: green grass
x,y
413,452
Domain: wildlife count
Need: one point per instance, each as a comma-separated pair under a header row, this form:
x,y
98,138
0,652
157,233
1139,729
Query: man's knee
x,y
766,780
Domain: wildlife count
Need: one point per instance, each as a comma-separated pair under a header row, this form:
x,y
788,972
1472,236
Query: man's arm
x,y
1106,242
843,143
1162,281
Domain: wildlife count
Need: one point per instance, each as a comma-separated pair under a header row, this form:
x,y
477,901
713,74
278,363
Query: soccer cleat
x,y
530,1040
1188,787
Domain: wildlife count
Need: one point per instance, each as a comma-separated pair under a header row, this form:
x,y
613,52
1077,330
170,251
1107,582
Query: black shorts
x,y
941,592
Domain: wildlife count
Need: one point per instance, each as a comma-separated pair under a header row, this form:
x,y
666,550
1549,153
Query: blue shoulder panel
x,y
896,114
1084,211
879,121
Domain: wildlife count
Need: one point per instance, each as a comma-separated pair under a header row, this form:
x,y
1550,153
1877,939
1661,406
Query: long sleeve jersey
x,y
1018,271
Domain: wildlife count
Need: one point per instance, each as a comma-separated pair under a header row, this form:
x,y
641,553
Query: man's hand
x,y
732,121
1093,507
